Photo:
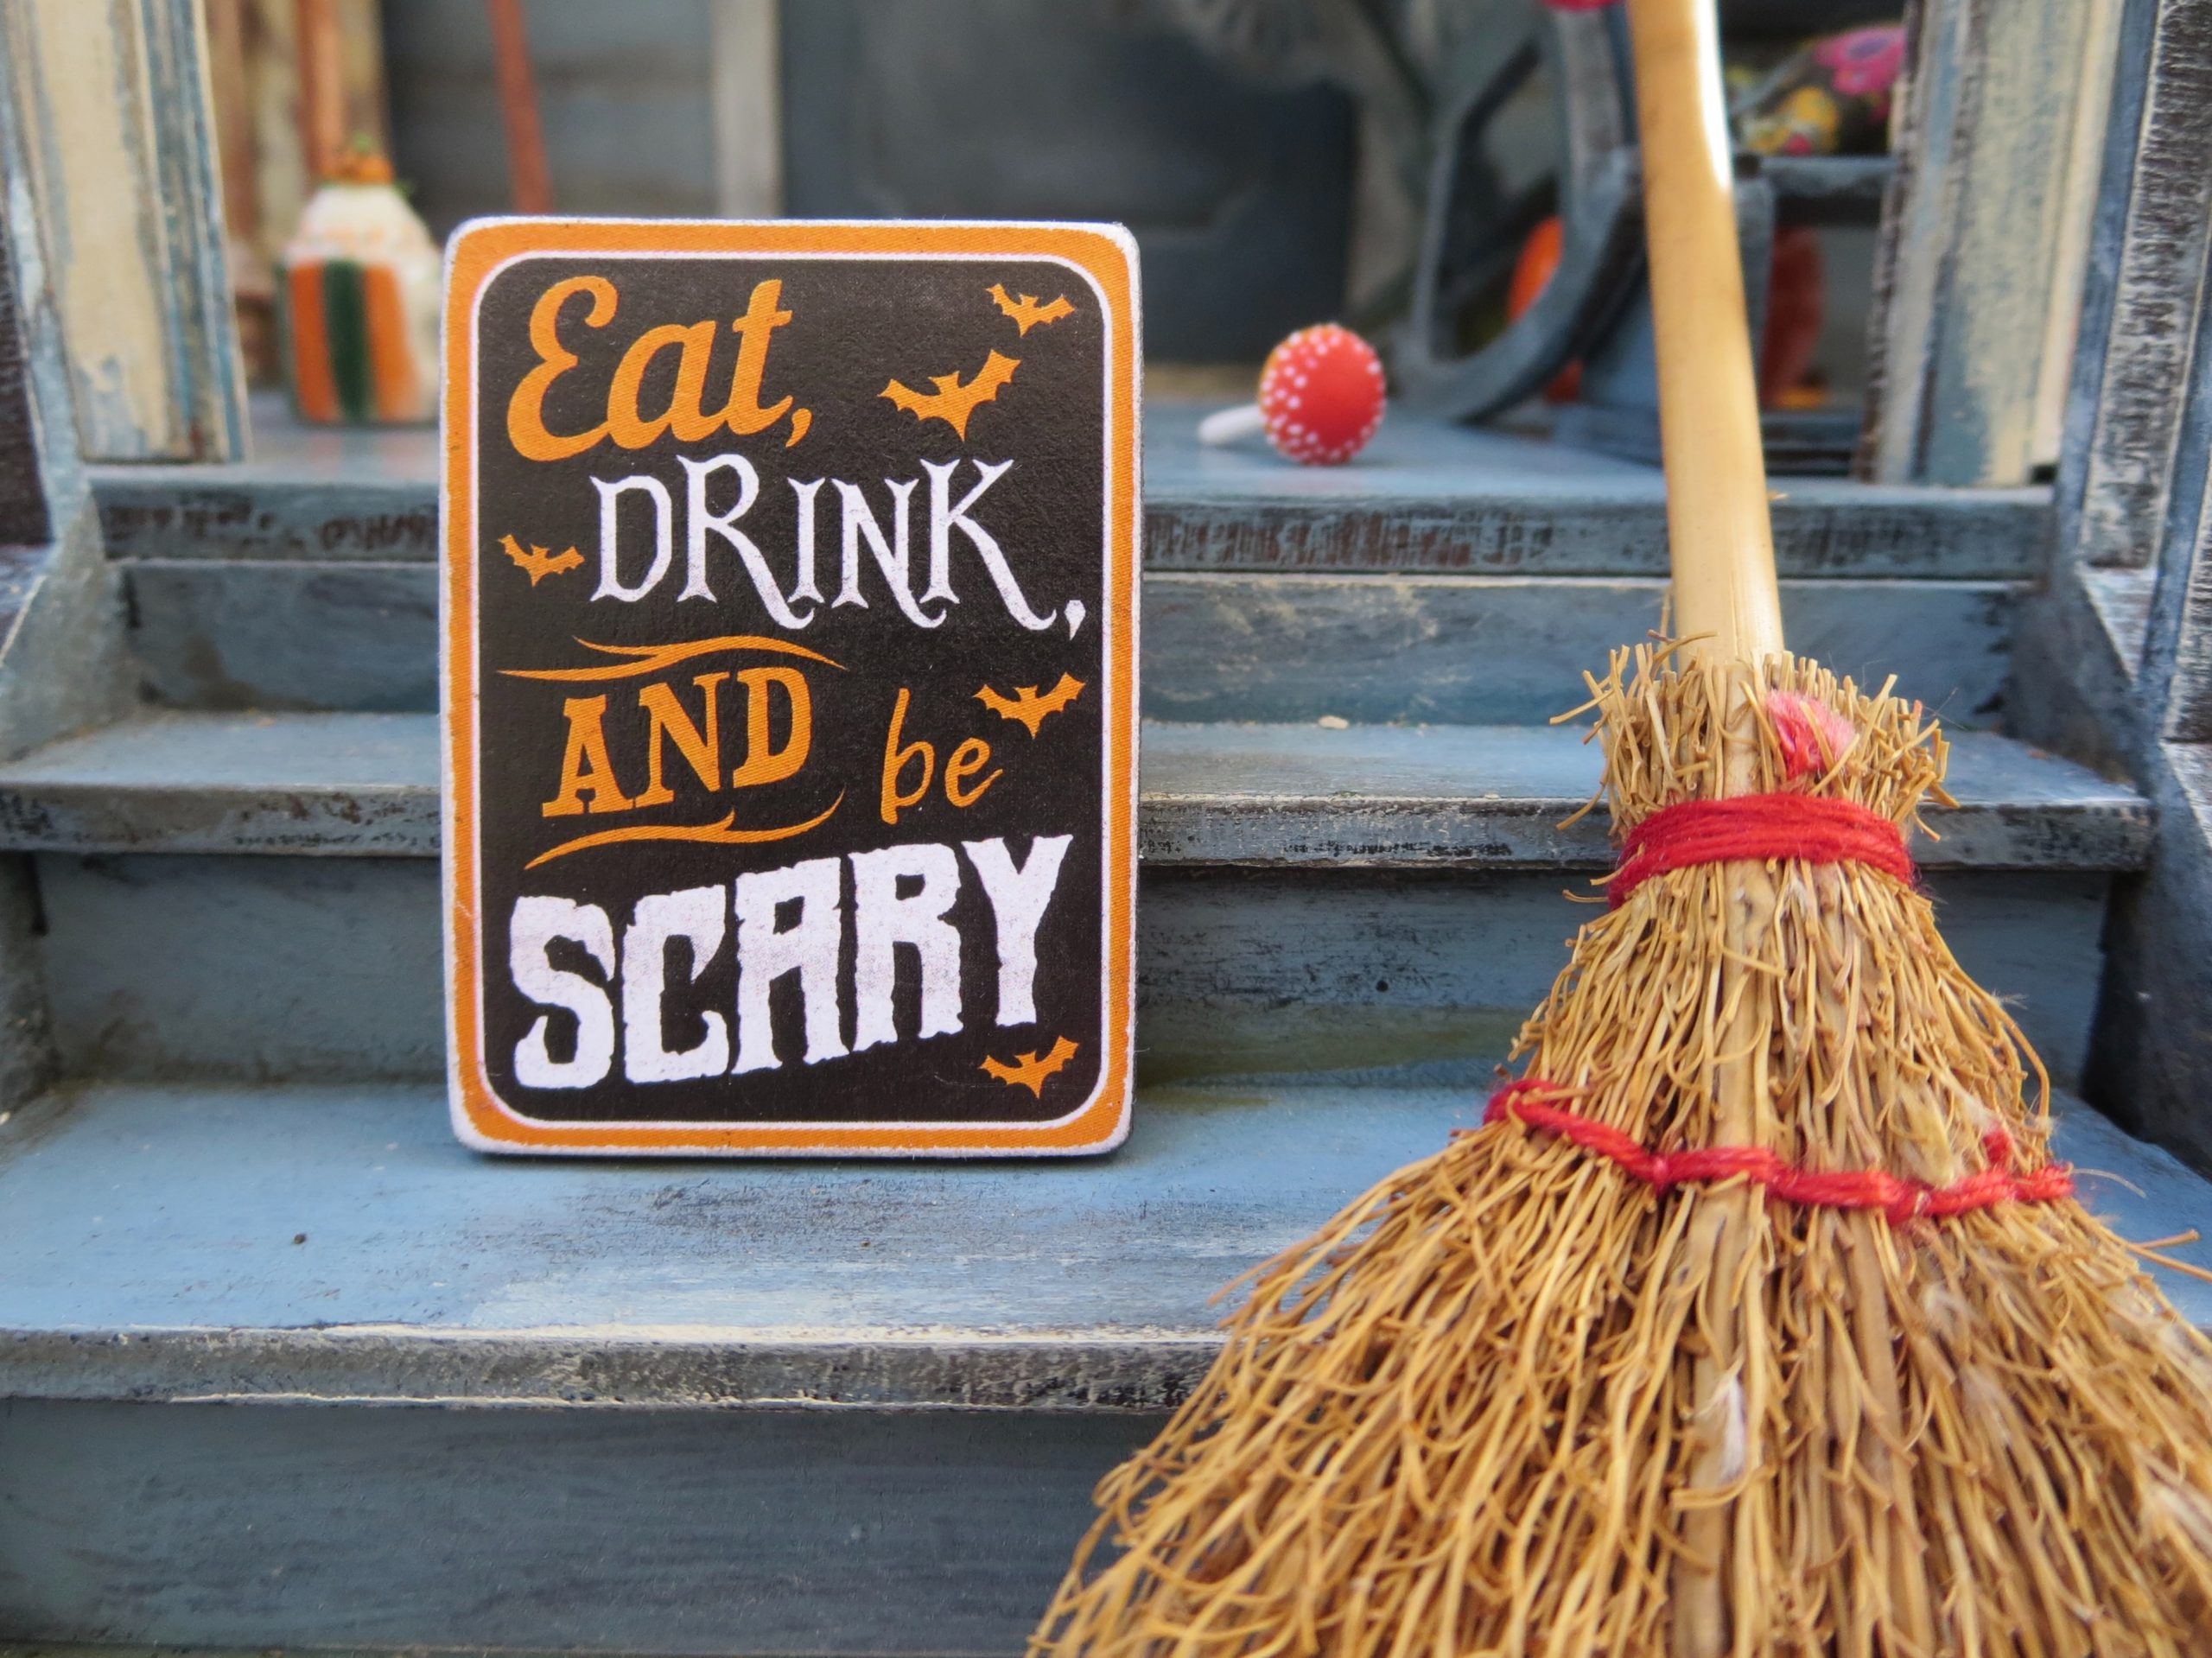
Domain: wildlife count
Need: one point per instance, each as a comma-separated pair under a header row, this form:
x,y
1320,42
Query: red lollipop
x,y
1320,398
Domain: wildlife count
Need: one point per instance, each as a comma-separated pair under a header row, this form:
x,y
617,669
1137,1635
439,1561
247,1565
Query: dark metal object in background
x,y
1493,179
1238,196
1535,117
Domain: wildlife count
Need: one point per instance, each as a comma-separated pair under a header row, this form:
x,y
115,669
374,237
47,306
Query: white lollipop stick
x,y
1232,425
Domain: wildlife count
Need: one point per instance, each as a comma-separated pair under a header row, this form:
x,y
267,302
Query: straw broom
x,y
1756,1320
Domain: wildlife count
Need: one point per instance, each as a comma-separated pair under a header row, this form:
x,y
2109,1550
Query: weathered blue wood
x,y
2152,1047
1478,650
1386,797
357,784
1427,496
61,634
292,635
275,1244
430,1272
2139,298
1435,497
1370,649
117,165
1973,238
176,967
679,1532
288,967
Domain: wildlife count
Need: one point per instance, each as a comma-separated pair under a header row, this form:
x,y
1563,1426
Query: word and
x,y
589,782
788,923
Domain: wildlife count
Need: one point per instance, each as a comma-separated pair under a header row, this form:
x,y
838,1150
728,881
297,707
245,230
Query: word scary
x,y
789,921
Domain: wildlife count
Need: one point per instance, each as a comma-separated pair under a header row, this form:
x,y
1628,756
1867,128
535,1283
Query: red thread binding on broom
x,y
1750,828
1901,1200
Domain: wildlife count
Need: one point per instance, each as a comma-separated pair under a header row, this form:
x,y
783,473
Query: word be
x,y
884,922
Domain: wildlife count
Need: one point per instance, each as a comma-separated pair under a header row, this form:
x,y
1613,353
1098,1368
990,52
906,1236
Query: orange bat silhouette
x,y
953,401
1028,1071
1026,311
1027,705
537,562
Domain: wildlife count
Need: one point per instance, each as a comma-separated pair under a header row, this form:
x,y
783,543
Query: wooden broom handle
x,y
1721,544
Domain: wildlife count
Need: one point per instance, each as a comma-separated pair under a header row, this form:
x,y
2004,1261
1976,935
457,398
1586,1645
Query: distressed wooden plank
x,y
330,968
152,1233
292,635
112,98
1964,265
1427,497
1382,797
357,784
1272,975
680,1532
2075,663
24,520
1473,649
2174,680
281,969
2140,297
1374,650
174,1210
2152,1047
746,87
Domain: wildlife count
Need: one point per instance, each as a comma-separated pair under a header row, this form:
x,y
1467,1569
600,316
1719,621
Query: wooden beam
x,y
2140,299
1964,269
749,104
118,156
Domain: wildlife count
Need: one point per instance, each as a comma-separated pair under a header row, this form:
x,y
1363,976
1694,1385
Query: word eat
x,y
628,425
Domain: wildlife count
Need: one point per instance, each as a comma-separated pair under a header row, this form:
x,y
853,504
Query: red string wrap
x,y
1901,1200
1751,829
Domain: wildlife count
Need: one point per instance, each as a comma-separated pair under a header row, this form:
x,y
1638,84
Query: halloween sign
x,y
789,646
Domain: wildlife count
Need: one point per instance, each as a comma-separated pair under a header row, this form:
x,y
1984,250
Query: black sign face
x,y
790,686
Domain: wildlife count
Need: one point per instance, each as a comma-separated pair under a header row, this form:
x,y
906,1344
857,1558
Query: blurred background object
x,y
296,84
356,301
1453,178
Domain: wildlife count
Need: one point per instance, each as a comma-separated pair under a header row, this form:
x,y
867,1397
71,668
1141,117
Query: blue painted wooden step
x,y
1375,796
1371,901
1233,644
768,1408
1427,496
1448,574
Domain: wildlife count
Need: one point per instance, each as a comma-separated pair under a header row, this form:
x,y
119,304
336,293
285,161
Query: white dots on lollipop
x,y
1321,394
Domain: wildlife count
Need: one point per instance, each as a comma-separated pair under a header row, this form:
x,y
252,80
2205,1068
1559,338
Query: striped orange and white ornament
x,y
357,304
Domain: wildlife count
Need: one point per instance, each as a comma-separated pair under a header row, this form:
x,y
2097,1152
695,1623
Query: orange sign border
x,y
1107,255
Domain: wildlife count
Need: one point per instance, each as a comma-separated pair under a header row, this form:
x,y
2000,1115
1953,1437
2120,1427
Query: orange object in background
x,y
1797,303
1796,300
1532,273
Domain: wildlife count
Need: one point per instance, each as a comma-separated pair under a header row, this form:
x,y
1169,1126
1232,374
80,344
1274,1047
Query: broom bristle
x,y
1480,1413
